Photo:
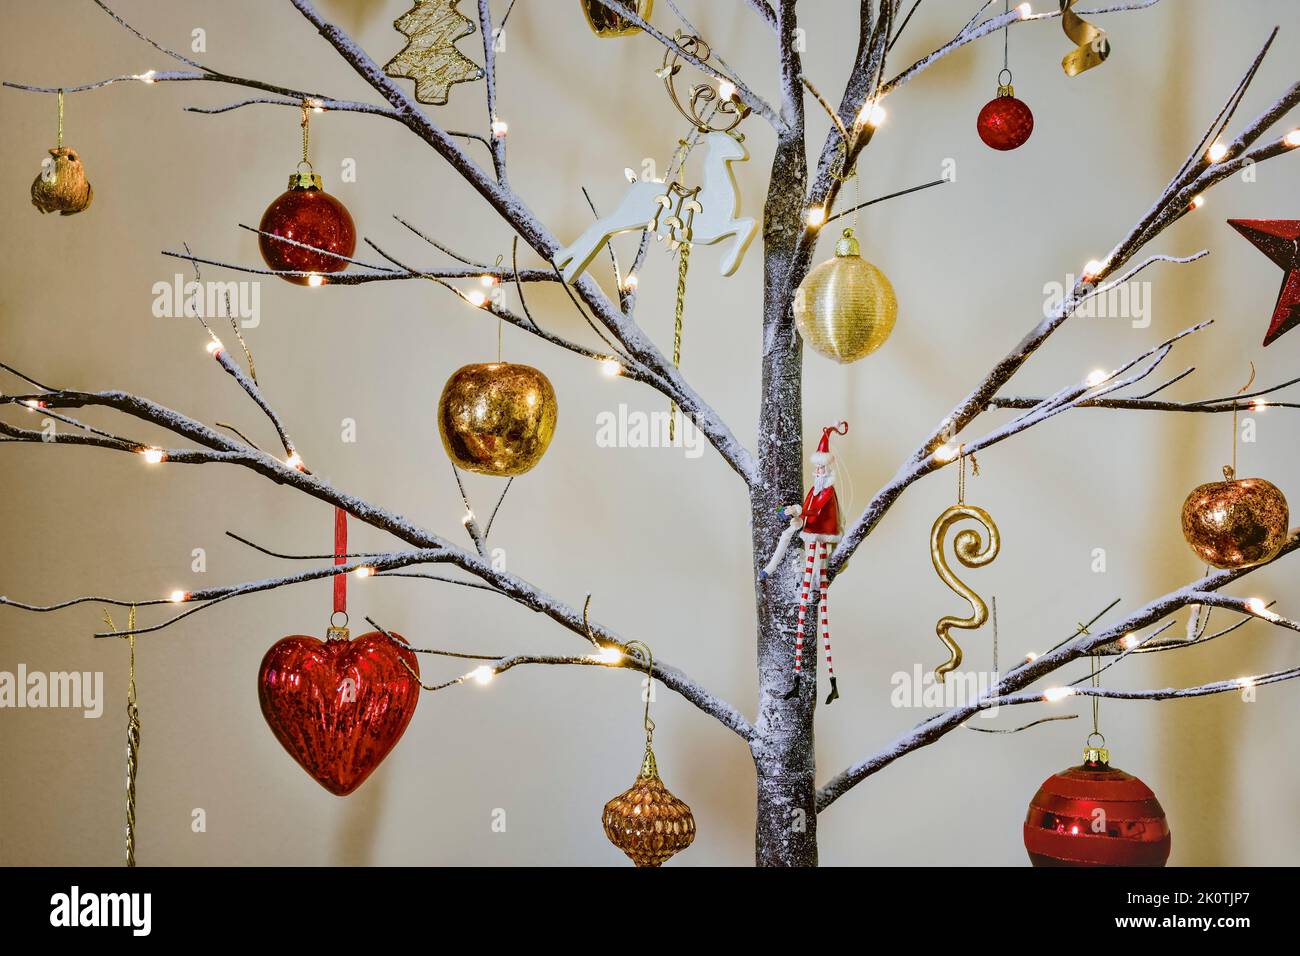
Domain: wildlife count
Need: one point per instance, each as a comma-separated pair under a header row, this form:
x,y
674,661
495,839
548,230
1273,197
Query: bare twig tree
x,y
780,737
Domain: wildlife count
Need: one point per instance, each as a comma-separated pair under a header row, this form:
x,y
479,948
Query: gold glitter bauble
x,y
497,418
845,307
647,822
1236,522
62,187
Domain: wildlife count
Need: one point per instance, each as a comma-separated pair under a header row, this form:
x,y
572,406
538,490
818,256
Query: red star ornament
x,y
1279,239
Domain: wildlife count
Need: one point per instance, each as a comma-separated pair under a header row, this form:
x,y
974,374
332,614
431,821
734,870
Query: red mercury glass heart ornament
x,y
1096,815
1005,122
306,213
338,706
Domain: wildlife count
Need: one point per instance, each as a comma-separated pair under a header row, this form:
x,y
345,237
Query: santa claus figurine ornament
x,y
818,524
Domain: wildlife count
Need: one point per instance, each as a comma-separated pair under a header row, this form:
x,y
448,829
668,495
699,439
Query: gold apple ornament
x,y
497,418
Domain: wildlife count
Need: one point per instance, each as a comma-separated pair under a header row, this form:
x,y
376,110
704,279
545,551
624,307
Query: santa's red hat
x,y
823,456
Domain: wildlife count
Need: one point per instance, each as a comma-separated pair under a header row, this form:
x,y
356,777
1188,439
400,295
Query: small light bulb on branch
x,y
147,76
1030,657
816,216
468,517
500,128
630,283
875,115
726,89
316,106
611,367
1245,682
1258,405
1198,201
1092,269
315,280
214,348
1096,377
294,461
608,655
1129,641
178,597
364,572
1292,139
1216,152
487,281
946,453
476,298
1054,694
1257,606
1024,10
153,455
482,675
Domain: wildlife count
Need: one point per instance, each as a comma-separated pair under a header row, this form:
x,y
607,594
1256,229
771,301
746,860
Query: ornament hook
x,y
640,652
1236,405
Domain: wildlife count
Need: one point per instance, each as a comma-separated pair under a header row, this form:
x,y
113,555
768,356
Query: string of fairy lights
x,y
870,117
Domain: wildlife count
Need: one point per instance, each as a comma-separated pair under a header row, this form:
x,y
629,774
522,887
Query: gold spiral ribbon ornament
x,y
971,550
1091,47
132,734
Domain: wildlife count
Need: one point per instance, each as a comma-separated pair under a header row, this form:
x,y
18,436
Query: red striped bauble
x,y
1096,815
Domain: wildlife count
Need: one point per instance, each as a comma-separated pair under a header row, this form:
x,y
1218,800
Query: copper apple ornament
x,y
1235,522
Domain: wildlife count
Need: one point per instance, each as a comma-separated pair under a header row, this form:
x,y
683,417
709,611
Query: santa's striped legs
x,y
823,590
804,592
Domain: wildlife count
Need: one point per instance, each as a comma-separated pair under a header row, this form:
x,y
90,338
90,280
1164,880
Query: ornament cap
x,y
649,768
1096,756
1006,89
307,180
847,245
333,633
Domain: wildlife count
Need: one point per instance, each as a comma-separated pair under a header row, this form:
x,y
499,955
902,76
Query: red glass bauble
x,y
338,706
1096,815
1005,123
306,213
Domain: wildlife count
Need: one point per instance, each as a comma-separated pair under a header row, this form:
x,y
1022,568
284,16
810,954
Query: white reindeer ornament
x,y
713,210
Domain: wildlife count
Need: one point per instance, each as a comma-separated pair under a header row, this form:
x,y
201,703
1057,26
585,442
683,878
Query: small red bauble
x,y
306,213
338,706
1096,815
1005,122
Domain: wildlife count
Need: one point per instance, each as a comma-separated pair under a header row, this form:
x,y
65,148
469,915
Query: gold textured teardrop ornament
x,y
845,307
646,821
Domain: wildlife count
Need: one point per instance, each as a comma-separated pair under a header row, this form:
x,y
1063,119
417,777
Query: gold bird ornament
x,y
62,186
845,307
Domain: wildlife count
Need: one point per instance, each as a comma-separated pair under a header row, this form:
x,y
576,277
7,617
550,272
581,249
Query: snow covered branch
x,y
1196,175
427,547
1114,639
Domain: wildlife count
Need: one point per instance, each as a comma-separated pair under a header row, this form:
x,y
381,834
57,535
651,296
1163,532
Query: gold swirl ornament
x,y
1091,47
972,551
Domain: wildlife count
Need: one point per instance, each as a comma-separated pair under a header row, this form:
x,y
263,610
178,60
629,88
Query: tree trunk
x,y
786,831
786,826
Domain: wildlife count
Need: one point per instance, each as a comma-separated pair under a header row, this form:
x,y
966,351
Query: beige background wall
x,y
659,539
